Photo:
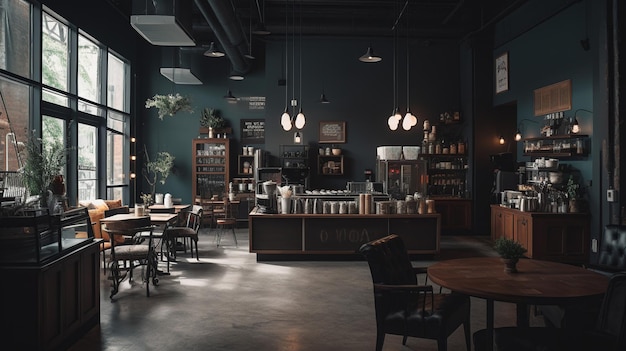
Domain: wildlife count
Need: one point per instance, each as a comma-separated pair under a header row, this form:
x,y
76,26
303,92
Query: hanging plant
x,y
169,104
211,118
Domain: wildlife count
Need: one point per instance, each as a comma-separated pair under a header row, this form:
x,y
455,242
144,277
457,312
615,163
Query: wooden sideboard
x,y
305,235
52,304
456,215
562,237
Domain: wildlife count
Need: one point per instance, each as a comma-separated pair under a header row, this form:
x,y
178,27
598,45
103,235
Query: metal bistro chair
x,y
225,223
137,253
188,231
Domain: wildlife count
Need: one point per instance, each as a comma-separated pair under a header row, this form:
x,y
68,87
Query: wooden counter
x,y
53,304
562,237
338,234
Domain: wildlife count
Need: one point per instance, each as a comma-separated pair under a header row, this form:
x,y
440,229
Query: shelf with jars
x,y
568,145
210,171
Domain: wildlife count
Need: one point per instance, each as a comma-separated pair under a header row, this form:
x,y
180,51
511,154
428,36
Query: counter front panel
x,y
312,234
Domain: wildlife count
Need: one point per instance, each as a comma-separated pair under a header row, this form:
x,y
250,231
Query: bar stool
x,y
225,223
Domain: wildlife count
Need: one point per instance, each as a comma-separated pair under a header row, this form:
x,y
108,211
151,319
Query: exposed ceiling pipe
x,y
220,16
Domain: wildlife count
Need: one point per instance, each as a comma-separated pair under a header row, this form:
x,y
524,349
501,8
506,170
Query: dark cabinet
x,y
562,237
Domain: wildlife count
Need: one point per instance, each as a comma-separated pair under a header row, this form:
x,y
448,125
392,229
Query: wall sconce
x,y
502,141
574,127
132,176
132,140
133,158
297,138
520,126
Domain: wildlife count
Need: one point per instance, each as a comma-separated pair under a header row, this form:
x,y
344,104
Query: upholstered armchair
x,y
404,307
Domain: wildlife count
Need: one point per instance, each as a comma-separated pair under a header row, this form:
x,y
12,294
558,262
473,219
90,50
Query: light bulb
x,y
406,122
501,140
300,120
518,136
285,121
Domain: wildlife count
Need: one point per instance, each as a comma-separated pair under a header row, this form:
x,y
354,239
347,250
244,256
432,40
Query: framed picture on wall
x,y
332,132
502,72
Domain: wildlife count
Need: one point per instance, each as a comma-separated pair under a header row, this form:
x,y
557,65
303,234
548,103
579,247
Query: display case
x,y
210,168
402,177
37,237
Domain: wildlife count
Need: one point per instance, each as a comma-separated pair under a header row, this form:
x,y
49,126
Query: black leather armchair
x,y
611,259
403,307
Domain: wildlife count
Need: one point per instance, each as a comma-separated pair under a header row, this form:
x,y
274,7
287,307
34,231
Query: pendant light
x,y
249,54
260,27
369,56
409,119
213,51
394,119
285,119
300,118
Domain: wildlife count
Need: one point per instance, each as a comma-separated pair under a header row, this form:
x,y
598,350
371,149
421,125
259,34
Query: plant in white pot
x,y
211,119
510,251
157,170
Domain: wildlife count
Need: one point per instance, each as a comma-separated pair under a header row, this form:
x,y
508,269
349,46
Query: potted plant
x,y
510,251
157,170
572,189
211,119
43,166
169,104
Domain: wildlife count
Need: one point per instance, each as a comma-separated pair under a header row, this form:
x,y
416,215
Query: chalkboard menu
x,y
253,131
332,132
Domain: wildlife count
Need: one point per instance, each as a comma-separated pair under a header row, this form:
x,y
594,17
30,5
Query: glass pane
x,y
116,166
89,58
55,54
13,123
117,193
117,121
55,98
90,108
53,132
87,161
15,37
116,83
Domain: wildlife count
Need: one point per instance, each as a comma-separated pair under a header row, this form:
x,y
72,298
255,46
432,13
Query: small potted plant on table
x,y
510,251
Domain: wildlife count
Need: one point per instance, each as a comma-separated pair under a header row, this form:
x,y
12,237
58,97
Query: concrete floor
x,y
229,301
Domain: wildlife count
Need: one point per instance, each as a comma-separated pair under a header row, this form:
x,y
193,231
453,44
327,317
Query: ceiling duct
x,y
179,71
163,22
221,17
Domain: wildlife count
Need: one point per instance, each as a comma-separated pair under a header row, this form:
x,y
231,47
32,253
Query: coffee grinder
x,y
266,202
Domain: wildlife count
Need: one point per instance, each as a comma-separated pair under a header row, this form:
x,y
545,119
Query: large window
x,y
55,60
13,122
79,90
117,81
89,65
117,146
15,36
87,161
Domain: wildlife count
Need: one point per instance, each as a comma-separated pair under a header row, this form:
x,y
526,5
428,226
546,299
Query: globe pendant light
x,y
285,119
300,118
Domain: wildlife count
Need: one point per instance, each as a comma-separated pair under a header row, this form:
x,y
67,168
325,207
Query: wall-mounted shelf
x,y
330,164
559,146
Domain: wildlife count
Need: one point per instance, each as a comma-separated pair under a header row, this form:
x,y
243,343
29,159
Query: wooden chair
x,y
137,253
188,231
225,222
404,307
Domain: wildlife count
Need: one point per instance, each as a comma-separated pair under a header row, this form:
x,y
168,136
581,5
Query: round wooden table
x,y
536,283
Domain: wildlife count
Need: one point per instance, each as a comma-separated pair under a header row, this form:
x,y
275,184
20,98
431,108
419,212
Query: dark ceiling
x,y
428,19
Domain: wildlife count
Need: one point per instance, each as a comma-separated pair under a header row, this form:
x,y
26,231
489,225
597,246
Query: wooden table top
x,y
156,218
537,282
177,208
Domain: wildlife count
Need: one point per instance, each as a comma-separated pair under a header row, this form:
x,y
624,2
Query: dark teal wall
x,y
361,95
544,45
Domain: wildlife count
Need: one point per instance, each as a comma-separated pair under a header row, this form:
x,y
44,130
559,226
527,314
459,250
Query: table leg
x,y
490,312
523,311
